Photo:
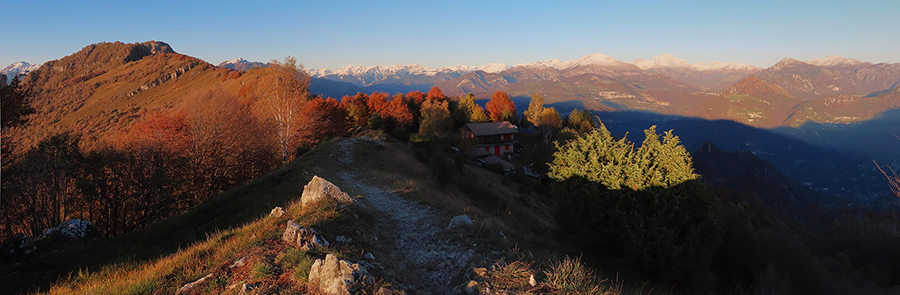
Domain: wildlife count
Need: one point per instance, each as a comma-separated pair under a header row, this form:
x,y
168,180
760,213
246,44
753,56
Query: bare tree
x,y
893,178
282,90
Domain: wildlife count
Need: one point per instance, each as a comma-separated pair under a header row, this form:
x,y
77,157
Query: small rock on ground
x,y
459,221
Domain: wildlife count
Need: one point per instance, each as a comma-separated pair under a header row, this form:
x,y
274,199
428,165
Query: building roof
x,y
492,128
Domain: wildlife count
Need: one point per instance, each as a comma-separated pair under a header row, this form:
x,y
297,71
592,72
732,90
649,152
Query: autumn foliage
x,y
436,94
501,107
166,160
322,118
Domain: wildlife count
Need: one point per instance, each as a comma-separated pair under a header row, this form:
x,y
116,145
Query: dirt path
x,y
413,246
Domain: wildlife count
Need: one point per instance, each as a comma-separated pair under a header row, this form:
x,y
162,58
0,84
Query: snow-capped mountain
x,y
17,68
593,59
416,74
708,76
833,60
667,60
550,63
241,64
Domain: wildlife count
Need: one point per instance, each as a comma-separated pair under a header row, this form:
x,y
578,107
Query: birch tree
x,y
281,92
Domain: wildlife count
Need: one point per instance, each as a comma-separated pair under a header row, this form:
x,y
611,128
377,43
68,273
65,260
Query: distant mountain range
x,y
832,89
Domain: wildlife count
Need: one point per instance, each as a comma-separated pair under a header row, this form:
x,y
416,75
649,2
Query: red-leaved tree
x,y
501,107
436,94
323,119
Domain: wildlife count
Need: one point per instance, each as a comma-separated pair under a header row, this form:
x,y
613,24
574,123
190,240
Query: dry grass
x,y
570,276
567,276
511,277
271,266
213,255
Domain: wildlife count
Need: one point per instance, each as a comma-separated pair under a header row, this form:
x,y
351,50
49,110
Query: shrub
x,y
599,157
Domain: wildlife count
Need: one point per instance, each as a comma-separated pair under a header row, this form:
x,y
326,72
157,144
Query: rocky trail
x,y
415,247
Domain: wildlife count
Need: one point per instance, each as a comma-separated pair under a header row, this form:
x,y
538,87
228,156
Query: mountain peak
x,y
833,60
234,61
593,59
788,61
241,64
16,69
493,67
665,60
157,47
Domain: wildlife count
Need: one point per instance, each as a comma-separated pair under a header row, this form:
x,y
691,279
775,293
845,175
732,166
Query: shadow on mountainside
x,y
820,166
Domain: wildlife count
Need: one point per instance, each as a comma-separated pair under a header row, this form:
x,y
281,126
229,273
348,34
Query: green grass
x,y
262,269
297,262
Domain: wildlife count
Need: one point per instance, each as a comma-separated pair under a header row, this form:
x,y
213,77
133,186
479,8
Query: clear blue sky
x,y
333,34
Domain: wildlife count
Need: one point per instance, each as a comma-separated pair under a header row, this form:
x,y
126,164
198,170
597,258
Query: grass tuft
x,y
512,276
570,276
262,269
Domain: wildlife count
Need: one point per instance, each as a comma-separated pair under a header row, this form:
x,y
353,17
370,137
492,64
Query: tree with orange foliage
x,y
398,113
378,101
500,107
323,118
416,97
436,93
282,90
358,108
167,130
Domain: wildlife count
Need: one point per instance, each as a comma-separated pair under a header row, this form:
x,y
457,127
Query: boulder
x,y
460,221
190,286
19,245
71,229
343,240
338,277
276,212
302,237
318,188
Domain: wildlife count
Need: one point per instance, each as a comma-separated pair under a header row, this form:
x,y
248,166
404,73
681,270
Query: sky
x,y
333,34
